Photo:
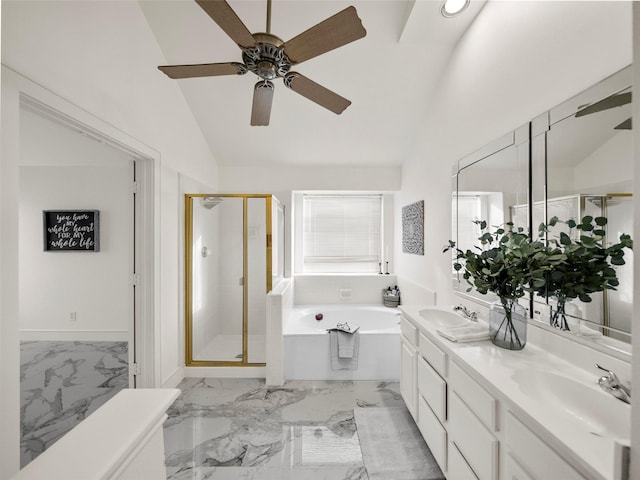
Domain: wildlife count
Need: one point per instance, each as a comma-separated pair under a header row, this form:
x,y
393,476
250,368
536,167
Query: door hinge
x,y
134,187
134,279
135,369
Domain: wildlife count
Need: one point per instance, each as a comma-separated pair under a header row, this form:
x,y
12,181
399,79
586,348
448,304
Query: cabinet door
x,y
408,381
458,467
534,454
513,471
478,446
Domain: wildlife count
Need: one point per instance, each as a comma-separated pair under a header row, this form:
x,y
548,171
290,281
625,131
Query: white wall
x,y
97,59
517,60
95,286
61,169
607,169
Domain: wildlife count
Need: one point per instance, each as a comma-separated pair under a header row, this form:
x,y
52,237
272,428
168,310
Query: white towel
x,y
346,342
339,362
464,333
346,338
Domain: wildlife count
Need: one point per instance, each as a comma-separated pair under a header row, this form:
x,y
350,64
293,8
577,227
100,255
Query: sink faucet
x,y
466,313
610,383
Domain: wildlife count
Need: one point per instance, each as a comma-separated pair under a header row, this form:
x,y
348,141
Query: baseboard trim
x,y
174,379
225,372
33,335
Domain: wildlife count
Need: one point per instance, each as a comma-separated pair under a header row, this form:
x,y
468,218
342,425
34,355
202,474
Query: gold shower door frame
x,y
188,255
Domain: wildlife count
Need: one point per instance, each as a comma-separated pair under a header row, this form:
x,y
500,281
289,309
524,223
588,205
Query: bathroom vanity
x,y
493,414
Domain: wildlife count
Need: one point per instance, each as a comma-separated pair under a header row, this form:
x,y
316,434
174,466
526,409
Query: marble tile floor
x,y
224,429
61,383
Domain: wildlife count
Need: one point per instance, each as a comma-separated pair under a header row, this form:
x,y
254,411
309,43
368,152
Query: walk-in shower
x,y
234,252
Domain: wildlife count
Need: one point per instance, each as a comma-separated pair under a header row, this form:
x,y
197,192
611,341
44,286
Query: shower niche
x,y
234,254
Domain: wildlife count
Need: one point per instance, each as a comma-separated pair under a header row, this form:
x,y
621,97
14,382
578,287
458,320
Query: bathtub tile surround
x,y
61,383
242,428
341,289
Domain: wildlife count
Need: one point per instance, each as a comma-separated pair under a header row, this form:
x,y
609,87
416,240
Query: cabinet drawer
x,y
409,331
433,388
534,454
513,471
436,357
434,434
478,446
474,395
458,467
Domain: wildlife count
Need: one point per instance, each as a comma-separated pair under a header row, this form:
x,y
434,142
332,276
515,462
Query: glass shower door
x,y
217,279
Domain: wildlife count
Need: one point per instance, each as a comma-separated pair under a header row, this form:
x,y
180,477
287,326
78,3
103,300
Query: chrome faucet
x,y
466,313
610,383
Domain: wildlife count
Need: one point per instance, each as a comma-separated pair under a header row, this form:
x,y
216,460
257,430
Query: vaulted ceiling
x,y
390,76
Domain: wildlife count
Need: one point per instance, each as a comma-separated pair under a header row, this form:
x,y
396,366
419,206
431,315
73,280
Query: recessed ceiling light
x,y
451,8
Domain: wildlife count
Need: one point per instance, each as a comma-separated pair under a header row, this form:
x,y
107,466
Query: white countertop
x,y
504,373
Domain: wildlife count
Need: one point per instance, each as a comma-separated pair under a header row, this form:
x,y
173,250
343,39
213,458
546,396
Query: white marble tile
x,y
61,383
239,428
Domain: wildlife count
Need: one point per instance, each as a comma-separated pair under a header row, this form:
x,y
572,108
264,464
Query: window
x,y
469,210
342,233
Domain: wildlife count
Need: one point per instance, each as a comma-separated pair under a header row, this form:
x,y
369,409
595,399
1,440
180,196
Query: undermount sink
x,y
442,318
596,411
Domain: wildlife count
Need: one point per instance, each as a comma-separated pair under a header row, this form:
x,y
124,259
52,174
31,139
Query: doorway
x,y
77,305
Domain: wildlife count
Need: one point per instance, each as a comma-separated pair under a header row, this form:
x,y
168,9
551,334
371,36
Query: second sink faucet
x,y
466,313
610,383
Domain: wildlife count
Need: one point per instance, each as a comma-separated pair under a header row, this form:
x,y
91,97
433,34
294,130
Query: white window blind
x,y
342,233
469,207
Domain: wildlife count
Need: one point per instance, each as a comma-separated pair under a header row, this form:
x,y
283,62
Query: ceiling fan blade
x,y
262,99
227,20
316,93
626,125
344,27
203,70
605,104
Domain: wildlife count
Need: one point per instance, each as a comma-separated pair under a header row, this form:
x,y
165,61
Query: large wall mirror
x,y
574,160
490,185
589,171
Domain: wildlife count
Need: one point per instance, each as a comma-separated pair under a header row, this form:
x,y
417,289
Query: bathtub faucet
x,y
466,313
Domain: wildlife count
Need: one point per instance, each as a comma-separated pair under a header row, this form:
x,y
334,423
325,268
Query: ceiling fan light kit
x,y
453,8
268,57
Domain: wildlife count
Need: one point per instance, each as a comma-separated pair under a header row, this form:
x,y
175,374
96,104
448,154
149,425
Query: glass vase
x,y
508,324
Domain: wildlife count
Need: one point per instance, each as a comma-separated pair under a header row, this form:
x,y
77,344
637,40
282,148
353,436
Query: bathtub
x,y
306,342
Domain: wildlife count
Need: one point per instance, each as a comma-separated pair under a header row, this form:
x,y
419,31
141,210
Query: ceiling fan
x,y
269,57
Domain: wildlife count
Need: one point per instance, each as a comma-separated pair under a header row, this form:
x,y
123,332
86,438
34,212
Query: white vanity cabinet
x,y
474,423
525,451
408,366
432,398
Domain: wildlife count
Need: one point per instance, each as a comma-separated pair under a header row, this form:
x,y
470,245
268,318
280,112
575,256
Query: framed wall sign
x,y
413,228
71,230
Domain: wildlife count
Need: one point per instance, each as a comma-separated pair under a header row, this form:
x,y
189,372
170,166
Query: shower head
x,y
210,202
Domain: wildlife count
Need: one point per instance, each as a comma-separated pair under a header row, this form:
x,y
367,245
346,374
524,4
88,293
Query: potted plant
x,y
578,264
506,263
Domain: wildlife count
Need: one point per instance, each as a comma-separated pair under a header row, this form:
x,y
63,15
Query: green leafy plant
x,y
578,268
507,262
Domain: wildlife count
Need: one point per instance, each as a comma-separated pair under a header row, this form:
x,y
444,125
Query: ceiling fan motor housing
x,y
267,58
